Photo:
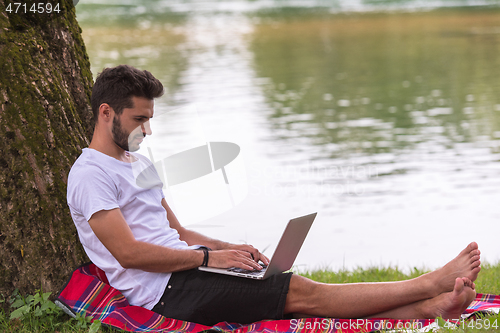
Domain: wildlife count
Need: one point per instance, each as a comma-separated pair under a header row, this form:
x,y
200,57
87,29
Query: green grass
x,y
36,313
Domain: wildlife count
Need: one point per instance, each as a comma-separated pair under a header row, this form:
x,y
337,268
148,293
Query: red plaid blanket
x,y
88,293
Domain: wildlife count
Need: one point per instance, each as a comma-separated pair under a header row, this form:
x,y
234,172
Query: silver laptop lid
x,y
289,245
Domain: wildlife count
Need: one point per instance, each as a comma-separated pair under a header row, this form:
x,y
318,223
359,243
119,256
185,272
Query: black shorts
x,y
208,298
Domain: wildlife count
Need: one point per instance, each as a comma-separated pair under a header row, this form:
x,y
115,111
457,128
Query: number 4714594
x,y
35,8
485,323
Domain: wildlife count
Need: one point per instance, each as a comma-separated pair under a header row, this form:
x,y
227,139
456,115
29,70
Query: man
x,y
132,234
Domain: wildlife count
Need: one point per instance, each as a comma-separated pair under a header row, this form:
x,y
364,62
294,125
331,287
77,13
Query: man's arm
x,y
113,231
193,238
189,236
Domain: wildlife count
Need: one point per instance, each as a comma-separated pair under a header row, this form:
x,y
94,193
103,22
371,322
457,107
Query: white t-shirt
x,y
100,182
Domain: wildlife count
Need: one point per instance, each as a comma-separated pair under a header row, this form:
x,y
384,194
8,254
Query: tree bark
x,y
45,121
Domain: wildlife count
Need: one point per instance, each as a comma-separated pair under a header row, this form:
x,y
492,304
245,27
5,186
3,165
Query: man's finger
x,y
264,259
252,262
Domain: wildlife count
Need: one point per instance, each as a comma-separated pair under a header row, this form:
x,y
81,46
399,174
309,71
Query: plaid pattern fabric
x,y
88,293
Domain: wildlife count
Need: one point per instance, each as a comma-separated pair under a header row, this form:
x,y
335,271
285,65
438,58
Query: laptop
x,y
284,256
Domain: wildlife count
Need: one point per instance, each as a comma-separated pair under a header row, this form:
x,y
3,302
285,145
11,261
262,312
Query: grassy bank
x,y
38,314
488,281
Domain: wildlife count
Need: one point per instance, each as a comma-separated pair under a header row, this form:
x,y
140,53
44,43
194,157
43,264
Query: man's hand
x,y
237,255
234,258
254,253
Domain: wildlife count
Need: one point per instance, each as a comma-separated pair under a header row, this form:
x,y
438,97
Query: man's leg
x,y
359,300
448,305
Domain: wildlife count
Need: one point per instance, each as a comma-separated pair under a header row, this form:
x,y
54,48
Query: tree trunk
x,y
45,121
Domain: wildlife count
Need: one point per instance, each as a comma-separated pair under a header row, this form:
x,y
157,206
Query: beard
x,y
121,137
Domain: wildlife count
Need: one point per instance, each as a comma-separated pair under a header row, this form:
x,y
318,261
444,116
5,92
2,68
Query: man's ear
x,y
105,112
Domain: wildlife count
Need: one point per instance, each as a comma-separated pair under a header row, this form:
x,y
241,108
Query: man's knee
x,y
302,295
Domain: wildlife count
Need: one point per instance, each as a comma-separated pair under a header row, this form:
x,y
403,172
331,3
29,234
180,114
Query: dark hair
x,y
116,86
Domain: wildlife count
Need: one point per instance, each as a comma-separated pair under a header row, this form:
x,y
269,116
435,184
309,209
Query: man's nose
x,y
146,128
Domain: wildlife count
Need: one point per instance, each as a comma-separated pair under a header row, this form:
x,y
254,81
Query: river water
x,y
382,116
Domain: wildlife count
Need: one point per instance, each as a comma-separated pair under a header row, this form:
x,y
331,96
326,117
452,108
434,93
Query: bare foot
x,y
466,264
452,304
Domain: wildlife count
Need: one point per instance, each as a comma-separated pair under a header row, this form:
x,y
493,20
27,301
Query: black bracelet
x,y
205,257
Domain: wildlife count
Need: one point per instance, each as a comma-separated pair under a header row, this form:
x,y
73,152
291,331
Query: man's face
x,y
132,125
